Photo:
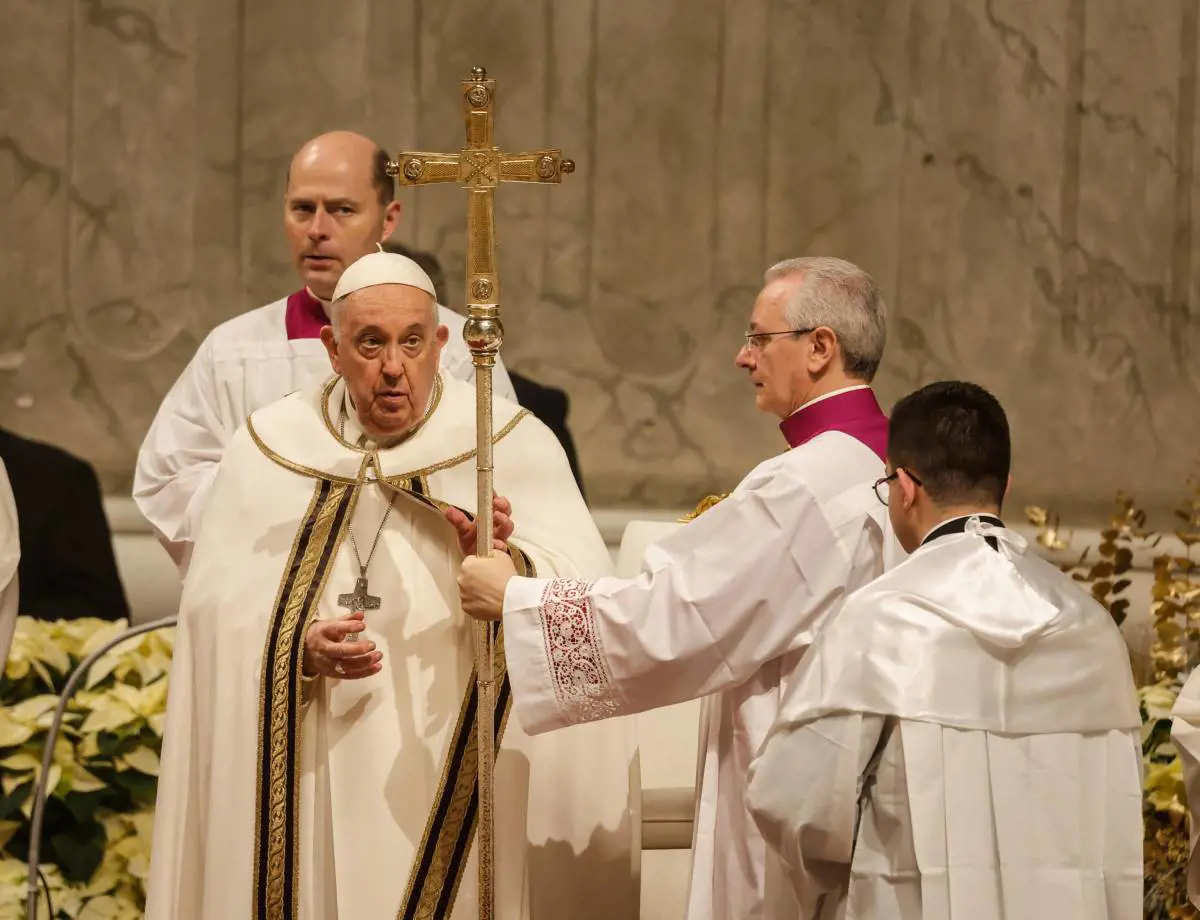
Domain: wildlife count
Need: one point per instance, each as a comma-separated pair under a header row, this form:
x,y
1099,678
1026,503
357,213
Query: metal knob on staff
x,y
479,167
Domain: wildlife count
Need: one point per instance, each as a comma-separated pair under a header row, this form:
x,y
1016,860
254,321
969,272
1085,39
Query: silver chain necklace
x,y
360,599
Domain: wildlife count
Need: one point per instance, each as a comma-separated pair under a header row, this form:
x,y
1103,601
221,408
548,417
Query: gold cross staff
x,y
480,167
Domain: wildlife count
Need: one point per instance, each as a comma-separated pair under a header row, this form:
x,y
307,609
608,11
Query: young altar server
x,y
962,740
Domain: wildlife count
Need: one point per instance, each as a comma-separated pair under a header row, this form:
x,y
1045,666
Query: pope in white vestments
x,y
726,605
10,558
334,777
962,740
338,208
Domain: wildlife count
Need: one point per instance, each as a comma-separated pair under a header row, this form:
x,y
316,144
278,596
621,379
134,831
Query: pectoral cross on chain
x,y
360,598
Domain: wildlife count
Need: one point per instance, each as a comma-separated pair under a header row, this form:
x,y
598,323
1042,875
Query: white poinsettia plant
x,y
95,851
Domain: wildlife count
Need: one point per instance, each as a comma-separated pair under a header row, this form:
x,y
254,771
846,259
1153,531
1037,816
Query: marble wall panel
x,y
1184,312
123,249
216,165
304,73
35,93
979,233
507,38
1118,322
1023,195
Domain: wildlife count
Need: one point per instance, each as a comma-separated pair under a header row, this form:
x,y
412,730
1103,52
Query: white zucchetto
x,y
382,268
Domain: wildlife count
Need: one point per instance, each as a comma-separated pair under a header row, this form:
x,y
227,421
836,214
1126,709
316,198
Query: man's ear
x,y
442,335
391,218
908,487
824,346
330,343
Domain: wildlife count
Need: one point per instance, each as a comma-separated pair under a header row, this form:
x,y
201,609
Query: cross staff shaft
x,y
480,167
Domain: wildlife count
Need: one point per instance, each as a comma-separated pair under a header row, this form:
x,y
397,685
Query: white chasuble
x,y
243,365
1185,732
724,606
281,798
10,558
960,743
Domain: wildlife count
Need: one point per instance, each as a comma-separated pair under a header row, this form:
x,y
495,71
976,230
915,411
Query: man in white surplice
x,y
10,558
320,764
339,205
962,740
727,604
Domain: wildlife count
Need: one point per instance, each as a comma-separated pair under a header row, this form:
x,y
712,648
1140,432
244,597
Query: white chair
x,y
151,581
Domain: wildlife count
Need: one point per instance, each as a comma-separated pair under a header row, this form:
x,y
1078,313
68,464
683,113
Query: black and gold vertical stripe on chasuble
x,y
441,859
277,831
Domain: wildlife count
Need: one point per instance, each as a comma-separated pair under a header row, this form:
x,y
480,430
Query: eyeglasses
x,y
881,485
757,341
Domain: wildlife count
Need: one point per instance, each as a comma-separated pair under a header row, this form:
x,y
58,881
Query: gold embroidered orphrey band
x,y
450,828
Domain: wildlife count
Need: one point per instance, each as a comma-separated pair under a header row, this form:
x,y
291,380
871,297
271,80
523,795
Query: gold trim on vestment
x,y
288,464
463,457
437,870
434,402
314,473
322,530
447,841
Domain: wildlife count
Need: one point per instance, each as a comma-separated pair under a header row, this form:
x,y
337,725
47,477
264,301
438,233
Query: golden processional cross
x,y
480,167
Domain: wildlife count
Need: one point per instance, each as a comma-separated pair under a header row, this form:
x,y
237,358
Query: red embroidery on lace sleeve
x,y
582,682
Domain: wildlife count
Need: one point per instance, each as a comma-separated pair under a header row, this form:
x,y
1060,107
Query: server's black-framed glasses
x,y
881,485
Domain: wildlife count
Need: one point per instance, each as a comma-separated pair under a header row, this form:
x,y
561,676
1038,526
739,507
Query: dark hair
x,y
385,186
428,262
954,437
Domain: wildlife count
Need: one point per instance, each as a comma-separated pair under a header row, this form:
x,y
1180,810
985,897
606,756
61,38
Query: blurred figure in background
x,y
549,404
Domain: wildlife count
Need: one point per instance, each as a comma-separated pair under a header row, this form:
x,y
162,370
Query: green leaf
x,y
107,744
7,830
79,851
11,804
141,788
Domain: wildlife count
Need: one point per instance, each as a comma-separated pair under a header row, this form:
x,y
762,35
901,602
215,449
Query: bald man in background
x,y
339,205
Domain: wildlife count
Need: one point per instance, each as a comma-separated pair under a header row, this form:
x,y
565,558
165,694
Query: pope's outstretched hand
x,y
502,525
481,584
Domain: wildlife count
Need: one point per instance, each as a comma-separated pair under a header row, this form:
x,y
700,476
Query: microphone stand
x,y
41,792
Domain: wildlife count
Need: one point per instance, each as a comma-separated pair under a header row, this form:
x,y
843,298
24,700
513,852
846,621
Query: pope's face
x,y
332,213
387,349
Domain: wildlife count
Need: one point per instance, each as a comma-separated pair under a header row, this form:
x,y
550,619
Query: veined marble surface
x,y
1019,177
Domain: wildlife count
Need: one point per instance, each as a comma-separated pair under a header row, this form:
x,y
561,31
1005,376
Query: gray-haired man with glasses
x,y
726,606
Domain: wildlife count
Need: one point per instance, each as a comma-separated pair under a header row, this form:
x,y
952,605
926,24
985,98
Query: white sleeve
x,y
739,586
178,459
803,793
